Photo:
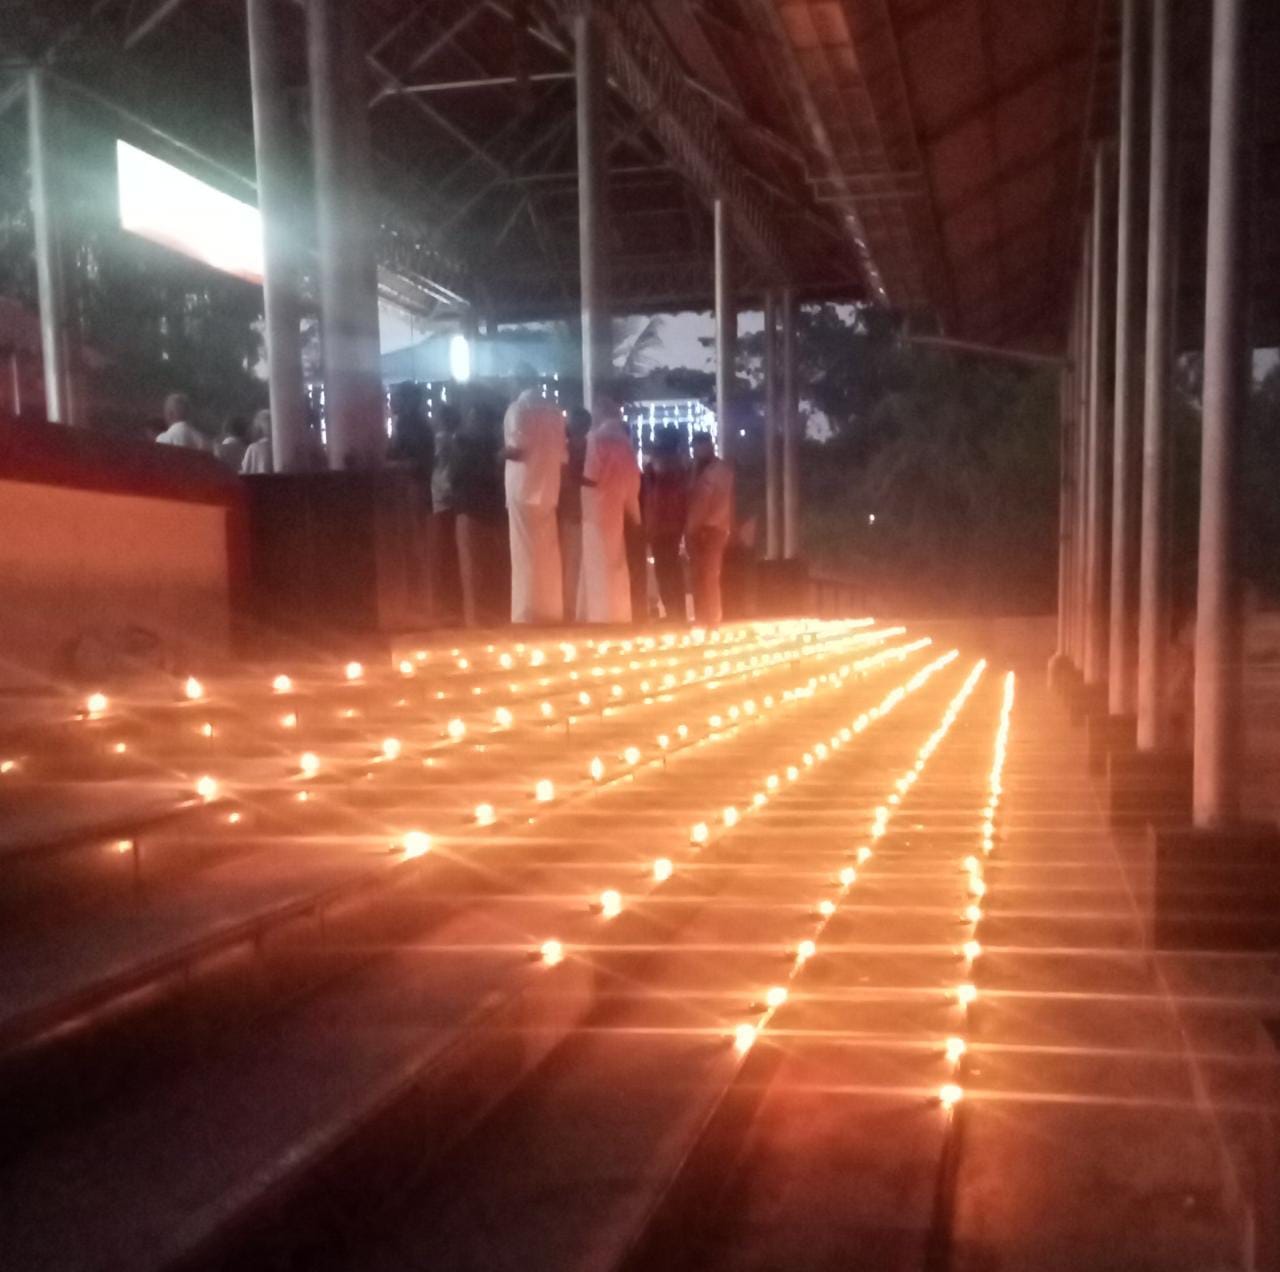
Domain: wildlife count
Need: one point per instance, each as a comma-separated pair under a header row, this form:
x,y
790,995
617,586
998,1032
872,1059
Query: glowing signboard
x,y
170,207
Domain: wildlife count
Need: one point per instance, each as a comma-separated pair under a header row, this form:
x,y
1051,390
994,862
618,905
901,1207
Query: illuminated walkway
x,y
801,946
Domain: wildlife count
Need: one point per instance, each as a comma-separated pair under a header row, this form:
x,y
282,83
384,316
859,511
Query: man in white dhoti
x,y
610,496
534,448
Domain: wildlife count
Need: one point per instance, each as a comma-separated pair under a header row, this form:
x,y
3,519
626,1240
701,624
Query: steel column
x,y
277,195
726,325
1218,750
1080,609
1101,352
57,344
1126,484
590,53
1154,621
345,237
773,537
790,419
1066,485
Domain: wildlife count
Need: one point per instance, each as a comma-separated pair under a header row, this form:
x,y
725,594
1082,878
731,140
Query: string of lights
x,y
816,640
746,1033
687,738
957,1046
705,833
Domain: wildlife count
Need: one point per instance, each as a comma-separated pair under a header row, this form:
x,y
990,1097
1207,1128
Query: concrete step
x,y
608,1158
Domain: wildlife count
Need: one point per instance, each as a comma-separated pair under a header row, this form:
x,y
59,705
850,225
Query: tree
x,y
153,320
933,465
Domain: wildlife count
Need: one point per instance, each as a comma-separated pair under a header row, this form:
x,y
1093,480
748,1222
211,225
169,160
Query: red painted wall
x,y
100,537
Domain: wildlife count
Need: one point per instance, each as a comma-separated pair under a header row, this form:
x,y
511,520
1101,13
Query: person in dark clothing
x,y
412,447
446,580
664,505
480,526
637,543
412,442
233,443
569,510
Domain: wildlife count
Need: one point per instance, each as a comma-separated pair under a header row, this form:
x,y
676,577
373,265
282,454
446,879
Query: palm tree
x,y
636,345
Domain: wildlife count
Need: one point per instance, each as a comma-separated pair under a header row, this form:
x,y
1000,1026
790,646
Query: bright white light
x,y
460,357
416,843
486,815
170,207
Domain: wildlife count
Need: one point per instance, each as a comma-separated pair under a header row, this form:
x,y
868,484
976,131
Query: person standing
x,y
234,442
257,455
480,518
179,431
664,499
707,527
610,498
637,549
412,447
446,578
533,434
569,512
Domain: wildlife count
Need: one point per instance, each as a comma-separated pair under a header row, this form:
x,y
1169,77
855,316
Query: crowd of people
x,y
558,504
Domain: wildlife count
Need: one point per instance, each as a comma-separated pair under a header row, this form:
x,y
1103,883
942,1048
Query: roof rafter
x,y
1026,79
655,85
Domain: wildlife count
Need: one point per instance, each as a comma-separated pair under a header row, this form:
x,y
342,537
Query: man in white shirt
x,y
180,431
257,456
710,520
534,447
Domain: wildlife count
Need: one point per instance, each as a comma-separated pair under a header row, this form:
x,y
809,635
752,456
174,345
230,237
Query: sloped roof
x,y
932,154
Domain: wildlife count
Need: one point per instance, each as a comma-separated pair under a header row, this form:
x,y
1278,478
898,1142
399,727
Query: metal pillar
x,y
772,502
1153,588
1218,750
1126,483
57,344
282,309
726,325
1101,351
1080,609
593,146
790,418
344,234
1066,487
